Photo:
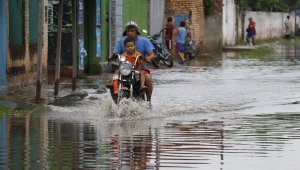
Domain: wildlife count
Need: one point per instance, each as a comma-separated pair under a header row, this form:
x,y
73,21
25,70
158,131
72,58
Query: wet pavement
x,y
227,111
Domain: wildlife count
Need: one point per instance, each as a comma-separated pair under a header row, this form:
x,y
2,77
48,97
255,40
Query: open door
x,y
2,43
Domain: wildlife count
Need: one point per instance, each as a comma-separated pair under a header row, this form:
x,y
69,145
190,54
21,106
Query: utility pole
x,y
74,44
40,49
58,47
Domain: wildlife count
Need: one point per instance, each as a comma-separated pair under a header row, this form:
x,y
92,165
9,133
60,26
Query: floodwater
x,y
226,112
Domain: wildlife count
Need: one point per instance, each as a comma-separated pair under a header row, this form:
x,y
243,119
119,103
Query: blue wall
x,y
2,43
180,17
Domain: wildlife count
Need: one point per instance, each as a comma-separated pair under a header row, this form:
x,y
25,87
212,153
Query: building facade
x,y
21,34
188,9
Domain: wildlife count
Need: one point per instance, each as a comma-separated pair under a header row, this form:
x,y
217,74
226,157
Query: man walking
x,y
179,34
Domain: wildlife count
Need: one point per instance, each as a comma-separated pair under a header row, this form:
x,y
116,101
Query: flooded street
x,y
226,112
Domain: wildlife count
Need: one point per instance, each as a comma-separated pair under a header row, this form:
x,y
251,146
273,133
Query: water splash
x,y
128,109
103,109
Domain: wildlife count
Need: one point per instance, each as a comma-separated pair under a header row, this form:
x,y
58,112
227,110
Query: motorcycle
x,y
128,80
161,53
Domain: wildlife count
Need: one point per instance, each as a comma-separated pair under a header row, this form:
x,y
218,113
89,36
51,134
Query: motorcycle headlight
x,y
123,58
125,69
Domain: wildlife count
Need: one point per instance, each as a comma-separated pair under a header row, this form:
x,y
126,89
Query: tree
x,y
268,5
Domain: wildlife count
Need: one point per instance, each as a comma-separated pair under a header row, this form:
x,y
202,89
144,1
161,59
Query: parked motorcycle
x,y
161,53
129,79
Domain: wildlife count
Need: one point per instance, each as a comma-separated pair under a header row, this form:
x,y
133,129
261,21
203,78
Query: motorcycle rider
x,y
131,55
144,46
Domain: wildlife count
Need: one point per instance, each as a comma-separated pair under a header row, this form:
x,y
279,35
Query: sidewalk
x,y
24,98
240,48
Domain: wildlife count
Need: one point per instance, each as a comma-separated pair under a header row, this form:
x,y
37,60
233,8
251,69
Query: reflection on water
x,y
226,113
38,143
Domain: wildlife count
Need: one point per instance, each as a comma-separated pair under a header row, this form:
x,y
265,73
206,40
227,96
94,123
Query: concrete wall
x,y
269,24
115,22
24,58
229,23
213,33
157,14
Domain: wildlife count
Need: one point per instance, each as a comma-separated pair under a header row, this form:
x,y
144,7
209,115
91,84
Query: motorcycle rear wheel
x,y
169,61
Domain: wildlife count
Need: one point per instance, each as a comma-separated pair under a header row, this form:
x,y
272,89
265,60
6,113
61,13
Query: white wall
x,y
116,22
268,25
157,13
229,23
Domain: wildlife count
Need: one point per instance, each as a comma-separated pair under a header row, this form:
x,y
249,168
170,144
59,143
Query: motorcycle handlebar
x,y
154,36
113,57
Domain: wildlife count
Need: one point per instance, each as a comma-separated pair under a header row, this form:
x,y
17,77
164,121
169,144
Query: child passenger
x,y
131,54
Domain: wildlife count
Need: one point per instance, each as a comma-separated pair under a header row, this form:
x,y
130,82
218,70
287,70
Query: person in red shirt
x,y
169,34
251,31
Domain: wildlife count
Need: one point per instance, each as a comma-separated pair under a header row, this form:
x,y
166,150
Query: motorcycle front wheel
x,y
156,61
122,94
167,60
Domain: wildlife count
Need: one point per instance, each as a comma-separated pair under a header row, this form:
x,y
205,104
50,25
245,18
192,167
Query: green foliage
x,y
208,7
268,5
7,111
4,110
290,42
261,52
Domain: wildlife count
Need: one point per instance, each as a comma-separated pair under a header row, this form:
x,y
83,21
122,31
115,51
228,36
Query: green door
x,y
136,11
